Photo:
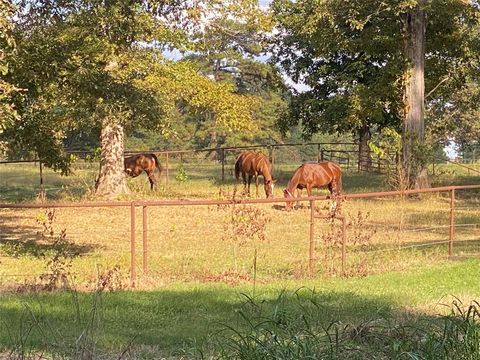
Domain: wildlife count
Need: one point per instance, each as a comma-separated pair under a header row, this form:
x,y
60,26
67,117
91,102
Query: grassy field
x,y
186,318
211,243
207,267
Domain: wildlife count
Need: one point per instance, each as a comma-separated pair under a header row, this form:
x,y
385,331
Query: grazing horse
x,y
136,164
314,175
255,164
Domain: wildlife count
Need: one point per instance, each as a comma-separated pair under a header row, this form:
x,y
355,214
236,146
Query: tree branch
x,y
437,86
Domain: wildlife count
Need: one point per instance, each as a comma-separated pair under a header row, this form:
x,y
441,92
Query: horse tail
x,y
238,168
157,163
339,178
339,183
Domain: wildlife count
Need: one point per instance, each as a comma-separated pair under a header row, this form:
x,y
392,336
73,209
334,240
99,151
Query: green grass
x,y
196,282
21,182
185,316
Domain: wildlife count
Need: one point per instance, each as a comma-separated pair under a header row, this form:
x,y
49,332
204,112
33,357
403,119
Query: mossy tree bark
x,y
413,135
111,180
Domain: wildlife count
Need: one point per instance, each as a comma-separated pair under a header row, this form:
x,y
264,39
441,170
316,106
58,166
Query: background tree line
x,y
89,72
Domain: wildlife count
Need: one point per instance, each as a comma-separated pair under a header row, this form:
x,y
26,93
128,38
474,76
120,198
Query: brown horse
x,y
314,175
136,164
255,164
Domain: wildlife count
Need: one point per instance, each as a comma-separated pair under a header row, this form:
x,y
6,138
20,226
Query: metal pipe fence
x,y
218,162
148,228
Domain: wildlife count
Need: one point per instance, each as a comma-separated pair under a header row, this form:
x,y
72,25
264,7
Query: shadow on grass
x,y
15,194
22,240
198,321
169,320
174,321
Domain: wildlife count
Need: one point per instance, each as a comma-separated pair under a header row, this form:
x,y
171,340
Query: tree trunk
x,y
413,135
111,180
365,159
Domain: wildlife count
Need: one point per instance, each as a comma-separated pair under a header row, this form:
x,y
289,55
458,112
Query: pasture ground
x,y
181,319
204,272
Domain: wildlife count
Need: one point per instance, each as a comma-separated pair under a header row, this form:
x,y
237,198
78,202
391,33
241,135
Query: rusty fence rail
x,y
133,205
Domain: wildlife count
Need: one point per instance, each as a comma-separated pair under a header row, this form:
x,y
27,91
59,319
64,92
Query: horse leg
x,y
249,181
151,179
333,187
256,182
244,178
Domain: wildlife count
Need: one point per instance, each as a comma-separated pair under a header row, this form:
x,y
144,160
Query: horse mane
x,y
267,174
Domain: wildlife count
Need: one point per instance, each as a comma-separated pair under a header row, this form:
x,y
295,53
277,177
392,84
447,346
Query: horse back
x,y
316,174
134,165
251,162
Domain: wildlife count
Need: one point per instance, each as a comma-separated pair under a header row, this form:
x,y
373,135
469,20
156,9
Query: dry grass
x,y
194,243
189,242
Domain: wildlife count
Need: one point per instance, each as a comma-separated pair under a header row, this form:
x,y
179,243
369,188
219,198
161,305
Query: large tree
x,y
231,49
364,62
94,64
7,45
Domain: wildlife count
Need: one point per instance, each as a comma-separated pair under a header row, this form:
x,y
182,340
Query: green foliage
x,y
459,118
339,49
228,43
8,113
289,329
351,56
181,175
92,62
388,142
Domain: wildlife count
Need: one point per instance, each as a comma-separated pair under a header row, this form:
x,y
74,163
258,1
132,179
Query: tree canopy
x,y
354,58
81,66
7,45
84,61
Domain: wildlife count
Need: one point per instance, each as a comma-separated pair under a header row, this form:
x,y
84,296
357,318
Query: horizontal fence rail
x,y
145,204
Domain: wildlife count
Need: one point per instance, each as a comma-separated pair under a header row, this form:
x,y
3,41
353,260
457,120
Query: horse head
x,y
269,185
287,194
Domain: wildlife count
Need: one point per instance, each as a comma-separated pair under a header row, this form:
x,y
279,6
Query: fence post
x,y
166,170
311,244
133,273
223,164
272,157
452,222
322,156
42,188
145,233
344,244
318,153
359,160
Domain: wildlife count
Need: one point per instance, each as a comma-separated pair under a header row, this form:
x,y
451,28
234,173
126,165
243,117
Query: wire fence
x,y
212,163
